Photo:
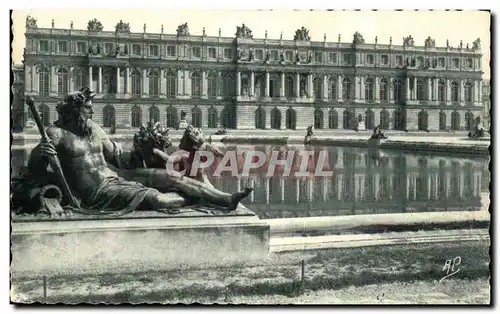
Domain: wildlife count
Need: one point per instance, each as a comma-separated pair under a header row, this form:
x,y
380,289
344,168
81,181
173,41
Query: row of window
x,y
274,54
224,85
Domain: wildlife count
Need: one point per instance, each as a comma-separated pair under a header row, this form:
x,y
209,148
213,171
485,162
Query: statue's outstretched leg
x,y
163,181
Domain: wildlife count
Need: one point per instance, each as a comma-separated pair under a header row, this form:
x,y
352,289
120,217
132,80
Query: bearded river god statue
x,y
92,175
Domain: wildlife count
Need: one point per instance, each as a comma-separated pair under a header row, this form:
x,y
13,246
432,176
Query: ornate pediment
x,y
122,27
357,38
183,30
302,34
430,43
94,26
408,41
31,22
243,31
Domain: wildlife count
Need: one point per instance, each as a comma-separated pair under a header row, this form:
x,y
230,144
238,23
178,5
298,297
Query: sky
x,y
441,25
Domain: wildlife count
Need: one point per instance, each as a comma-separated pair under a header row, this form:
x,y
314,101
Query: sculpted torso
x,y
82,159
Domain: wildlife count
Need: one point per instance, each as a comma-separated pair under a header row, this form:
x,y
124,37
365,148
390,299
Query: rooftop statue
x,y
91,173
476,44
122,27
408,41
31,22
94,26
358,38
243,32
183,30
302,34
430,43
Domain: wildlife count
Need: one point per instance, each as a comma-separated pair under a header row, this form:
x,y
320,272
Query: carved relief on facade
x,y
243,32
301,57
302,34
121,50
122,27
183,30
430,42
95,49
94,26
31,22
408,41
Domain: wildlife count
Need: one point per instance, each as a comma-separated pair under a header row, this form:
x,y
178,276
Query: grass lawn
x,y
351,275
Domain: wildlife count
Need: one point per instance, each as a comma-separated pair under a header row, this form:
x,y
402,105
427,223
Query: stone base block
x,y
135,245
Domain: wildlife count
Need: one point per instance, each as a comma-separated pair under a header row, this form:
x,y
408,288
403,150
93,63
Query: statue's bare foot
x,y
238,196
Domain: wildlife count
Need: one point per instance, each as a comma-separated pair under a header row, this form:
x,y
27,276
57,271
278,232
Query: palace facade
x,y
247,83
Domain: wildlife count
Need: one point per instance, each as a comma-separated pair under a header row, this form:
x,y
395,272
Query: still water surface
x,y
393,182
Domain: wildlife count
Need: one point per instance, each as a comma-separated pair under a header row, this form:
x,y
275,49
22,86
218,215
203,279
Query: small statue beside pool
x,y
378,134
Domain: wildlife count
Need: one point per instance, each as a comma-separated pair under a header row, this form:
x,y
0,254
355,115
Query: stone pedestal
x,y
183,124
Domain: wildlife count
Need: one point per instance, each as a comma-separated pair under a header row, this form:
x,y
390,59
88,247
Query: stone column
x,y
297,85
282,89
267,84
357,88
325,86
480,92
476,99
53,81
448,92
310,87
268,180
145,86
99,80
90,77
414,97
187,83
252,83
297,191
462,91
238,83
282,188
71,80
340,180
204,84
391,90
429,89
128,81
362,95
34,80
339,87
163,84
377,89
408,91
435,89
219,84
180,83
118,80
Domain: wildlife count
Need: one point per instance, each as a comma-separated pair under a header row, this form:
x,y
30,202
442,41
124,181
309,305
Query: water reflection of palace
x,y
395,183
360,184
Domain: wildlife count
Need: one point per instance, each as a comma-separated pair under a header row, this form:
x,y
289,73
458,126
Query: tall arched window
x,y
469,120
136,83
212,117
136,113
332,88
172,121
45,114
423,120
171,84
107,80
455,121
369,90
384,119
420,89
398,91
260,118
318,88
108,116
384,91
291,119
228,88
212,85
369,119
196,120
62,82
441,91
454,91
333,119
318,118
196,84
346,89
275,118
80,79
154,114
44,82
468,92
154,83
442,120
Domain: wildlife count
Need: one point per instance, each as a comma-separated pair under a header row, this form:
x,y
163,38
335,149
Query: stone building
x,y
486,99
246,83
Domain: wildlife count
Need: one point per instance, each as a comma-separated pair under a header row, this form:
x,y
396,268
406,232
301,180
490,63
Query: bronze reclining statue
x,y
91,174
